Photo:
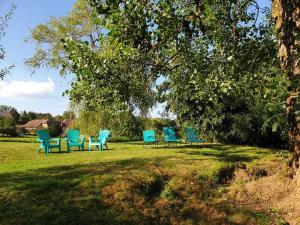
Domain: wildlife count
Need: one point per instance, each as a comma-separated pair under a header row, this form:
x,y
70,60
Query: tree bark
x,y
287,19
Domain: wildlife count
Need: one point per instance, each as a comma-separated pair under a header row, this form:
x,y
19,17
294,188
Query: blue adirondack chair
x,y
149,137
170,135
191,135
74,139
47,143
100,141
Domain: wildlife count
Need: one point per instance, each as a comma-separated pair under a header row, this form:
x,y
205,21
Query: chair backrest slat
x,y
191,134
169,133
103,136
73,135
149,135
43,135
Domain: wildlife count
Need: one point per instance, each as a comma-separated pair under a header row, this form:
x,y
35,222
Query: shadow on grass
x,y
228,153
19,140
58,195
74,195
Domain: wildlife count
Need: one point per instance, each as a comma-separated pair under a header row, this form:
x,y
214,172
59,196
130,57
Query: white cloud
x,y
26,89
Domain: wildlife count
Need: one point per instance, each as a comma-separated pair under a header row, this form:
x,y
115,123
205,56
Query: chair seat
x,y
54,145
72,144
95,143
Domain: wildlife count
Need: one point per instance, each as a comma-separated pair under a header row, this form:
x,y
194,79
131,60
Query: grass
x,y
127,184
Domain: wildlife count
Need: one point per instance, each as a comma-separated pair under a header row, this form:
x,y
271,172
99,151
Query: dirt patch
x,y
276,194
160,197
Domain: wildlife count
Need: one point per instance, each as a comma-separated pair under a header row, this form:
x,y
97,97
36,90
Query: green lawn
x,y
127,184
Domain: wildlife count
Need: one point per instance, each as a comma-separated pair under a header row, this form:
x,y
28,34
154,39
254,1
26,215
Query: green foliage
x,y
14,113
108,77
69,115
28,116
7,122
3,25
55,130
50,51
8,131
6,108
218,64
124,125
7,127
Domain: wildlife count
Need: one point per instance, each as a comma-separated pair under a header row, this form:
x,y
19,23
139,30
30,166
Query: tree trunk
x,y
287,19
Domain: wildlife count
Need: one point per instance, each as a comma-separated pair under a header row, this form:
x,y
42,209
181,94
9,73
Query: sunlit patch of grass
x,y
127,184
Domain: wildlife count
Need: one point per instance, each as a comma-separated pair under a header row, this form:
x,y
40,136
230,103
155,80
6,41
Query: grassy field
x,y
127,184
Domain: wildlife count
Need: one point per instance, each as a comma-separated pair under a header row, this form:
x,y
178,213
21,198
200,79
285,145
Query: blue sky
x,y
42,91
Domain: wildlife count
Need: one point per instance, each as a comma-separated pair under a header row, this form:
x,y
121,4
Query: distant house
x,y
34,125
6,115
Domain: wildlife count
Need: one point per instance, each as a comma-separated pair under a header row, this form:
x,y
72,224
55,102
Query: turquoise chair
x,y
74,139
149,137
101,140
47,143
191,135
170,136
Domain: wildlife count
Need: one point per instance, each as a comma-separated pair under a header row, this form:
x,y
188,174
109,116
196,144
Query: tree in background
x,y
3,24
13,111
7,125
28,116
5,108
124,125
217,61
287,18
55,130
68,115
110,72
50,52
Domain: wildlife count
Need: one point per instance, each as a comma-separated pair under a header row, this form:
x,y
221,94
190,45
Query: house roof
x,y
35,123
6,115
67,122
